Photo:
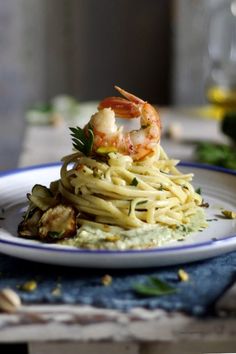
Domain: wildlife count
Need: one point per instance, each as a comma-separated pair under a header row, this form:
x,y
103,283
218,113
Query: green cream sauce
x,y
149,236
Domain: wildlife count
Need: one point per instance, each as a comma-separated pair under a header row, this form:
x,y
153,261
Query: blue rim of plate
x,y
58,163
200,245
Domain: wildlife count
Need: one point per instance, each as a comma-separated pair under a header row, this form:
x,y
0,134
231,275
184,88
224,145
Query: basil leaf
x,y
154,287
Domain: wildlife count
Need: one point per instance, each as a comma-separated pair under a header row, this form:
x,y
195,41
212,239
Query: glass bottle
x,y
221,82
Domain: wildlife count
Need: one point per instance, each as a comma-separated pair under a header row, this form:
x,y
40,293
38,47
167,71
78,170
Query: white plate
x,y
218,188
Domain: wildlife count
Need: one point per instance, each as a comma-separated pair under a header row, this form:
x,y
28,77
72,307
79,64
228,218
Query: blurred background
x,y
157,49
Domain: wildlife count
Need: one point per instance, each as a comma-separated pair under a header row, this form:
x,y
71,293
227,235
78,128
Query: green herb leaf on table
x,y
216,154
154,287
82,141
43,108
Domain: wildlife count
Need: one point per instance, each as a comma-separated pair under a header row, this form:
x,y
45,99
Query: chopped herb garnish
x,y
142,202
154,287
198,191
204,205
211,219
82,140
55,234
182,227
139,203
134,182
130,206
97,173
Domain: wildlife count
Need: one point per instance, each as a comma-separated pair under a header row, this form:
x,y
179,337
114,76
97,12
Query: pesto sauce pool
x,y
149,236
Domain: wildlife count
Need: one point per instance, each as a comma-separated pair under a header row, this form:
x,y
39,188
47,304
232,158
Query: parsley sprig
x,y
82,140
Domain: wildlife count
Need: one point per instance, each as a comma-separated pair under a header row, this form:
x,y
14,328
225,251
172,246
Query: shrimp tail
x,y
129,96
128,107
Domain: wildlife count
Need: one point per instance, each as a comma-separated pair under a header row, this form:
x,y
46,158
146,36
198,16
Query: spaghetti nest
x,y
116,190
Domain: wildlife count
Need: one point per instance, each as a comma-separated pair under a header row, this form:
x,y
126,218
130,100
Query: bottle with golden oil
x,y
221,81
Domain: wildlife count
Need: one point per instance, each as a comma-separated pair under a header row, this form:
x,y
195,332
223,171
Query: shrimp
x,y
136,143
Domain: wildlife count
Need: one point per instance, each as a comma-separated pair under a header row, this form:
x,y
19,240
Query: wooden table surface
x,y
83,329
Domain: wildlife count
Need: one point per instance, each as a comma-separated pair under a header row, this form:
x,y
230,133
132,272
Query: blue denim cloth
x,y
207,281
